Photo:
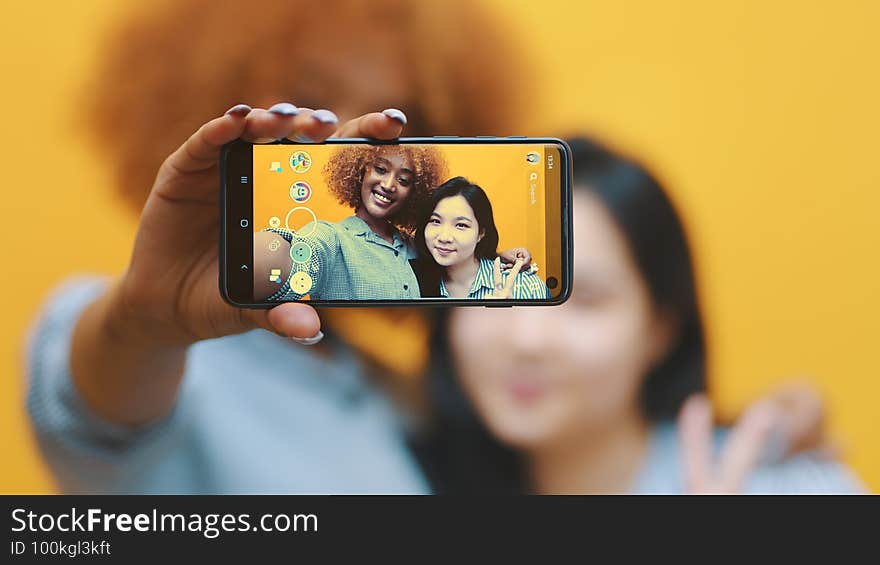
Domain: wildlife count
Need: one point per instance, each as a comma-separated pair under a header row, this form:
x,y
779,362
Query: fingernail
x,y
395,114
309,340
325,116
302,138
262,140
239,110
284,109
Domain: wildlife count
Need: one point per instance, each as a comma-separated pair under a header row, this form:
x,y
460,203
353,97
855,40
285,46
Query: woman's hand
x,y
129,346
787,421
170,287
509,257
502,290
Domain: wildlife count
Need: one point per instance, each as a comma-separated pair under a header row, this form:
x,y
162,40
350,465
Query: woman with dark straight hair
x,y
583,397
457,244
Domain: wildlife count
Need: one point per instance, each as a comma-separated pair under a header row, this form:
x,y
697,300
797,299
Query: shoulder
x,y
486,273
807,473
530,285
487,265
529,278
526,285
803,473
353,225
322,233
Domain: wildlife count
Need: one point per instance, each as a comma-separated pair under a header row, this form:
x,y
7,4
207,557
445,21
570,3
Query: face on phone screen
x,y
341,223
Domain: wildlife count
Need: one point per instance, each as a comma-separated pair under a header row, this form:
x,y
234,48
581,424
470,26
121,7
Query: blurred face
x,y
452,232
387,182
542,375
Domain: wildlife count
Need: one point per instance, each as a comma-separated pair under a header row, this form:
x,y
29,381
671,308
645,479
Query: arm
x,y
529,286
86,452
121,368
107,359
128,347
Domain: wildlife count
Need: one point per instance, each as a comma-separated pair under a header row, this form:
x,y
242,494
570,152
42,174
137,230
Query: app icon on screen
x,y
300,161
301,282
275,167
533,157
275,276
300,191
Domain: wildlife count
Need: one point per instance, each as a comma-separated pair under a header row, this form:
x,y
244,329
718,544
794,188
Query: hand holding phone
x,y
170,286
128,348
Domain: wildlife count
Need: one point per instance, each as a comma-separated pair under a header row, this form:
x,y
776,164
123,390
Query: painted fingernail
x,y
284,109
239,110
395,114
309,340
325,116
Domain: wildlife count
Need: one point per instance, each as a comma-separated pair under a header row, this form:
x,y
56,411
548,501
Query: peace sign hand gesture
x,y
741,453
502,290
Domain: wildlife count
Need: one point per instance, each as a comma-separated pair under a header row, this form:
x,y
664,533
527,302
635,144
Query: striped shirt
x,y
348,261
526,286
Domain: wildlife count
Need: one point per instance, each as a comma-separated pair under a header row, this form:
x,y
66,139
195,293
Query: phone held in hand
x,y
430,221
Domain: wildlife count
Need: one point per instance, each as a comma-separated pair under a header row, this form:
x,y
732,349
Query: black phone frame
x,y
243,277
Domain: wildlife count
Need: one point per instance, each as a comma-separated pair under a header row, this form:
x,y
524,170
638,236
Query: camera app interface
x,y
366,222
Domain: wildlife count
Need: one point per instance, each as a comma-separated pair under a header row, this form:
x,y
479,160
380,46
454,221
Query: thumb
x,y
292,320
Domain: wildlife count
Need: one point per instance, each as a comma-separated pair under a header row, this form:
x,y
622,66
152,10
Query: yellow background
x,y
500,170
761,116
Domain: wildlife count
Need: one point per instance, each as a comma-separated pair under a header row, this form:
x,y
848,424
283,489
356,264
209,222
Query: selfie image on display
x,y
361,222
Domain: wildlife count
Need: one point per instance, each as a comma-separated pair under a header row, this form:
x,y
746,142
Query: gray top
x,y
347,261
259,414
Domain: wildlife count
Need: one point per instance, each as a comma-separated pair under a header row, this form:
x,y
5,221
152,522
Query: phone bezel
x,y
227,207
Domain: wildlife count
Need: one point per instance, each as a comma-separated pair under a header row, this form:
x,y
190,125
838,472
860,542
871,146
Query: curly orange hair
x,y
345,171
174,64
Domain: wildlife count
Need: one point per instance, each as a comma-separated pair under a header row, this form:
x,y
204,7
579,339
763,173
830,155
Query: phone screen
x,y
447,222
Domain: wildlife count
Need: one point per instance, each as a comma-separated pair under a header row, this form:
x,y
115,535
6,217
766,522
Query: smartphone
x,y
413,221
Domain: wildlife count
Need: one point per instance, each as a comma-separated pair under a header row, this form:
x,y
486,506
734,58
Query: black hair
x,y
426,269
459,453
641,208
